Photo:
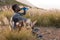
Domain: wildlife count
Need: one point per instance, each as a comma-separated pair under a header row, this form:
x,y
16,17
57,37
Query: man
x,y
18,17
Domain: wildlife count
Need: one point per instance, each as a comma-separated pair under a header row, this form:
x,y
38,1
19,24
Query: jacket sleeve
x,y
24,12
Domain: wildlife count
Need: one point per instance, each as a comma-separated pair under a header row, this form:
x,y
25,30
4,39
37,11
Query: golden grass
x,y
43,17
24,34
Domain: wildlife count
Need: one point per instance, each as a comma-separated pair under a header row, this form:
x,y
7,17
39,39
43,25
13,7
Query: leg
x,y
19,25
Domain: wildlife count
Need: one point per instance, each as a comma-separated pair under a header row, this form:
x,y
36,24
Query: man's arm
x,y
24,12
24,9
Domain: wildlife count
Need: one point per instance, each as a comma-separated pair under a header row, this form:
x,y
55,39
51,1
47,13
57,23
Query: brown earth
x,y
49,33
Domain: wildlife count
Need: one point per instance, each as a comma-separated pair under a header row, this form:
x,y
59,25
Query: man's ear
x,y
17,9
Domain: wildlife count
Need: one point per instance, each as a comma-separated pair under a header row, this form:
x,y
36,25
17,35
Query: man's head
x,y
16,8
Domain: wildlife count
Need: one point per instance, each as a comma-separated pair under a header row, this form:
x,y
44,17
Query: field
x,y
47,20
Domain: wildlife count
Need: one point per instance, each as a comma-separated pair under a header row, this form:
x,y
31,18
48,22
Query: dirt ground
x,y
49,33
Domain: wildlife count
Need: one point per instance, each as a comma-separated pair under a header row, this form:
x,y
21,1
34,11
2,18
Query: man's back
x,y
17,17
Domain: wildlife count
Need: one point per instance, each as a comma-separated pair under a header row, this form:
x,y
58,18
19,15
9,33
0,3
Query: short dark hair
x,y
15,6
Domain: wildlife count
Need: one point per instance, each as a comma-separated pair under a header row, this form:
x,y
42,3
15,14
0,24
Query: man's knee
x,y
28,21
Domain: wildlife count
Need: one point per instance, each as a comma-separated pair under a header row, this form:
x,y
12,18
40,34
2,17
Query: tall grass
x,y
43,17
15,35
6,34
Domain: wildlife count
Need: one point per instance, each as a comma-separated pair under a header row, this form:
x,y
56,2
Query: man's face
x,y
18,8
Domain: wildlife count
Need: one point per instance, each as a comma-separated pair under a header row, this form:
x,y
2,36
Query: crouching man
x,y
18,18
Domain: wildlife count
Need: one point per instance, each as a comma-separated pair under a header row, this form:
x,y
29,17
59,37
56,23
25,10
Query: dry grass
x,y
43,17
6,34
24,34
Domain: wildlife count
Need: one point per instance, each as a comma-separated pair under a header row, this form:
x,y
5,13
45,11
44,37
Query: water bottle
x,y
24,8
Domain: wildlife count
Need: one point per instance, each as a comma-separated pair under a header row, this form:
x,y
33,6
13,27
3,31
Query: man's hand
x,y
25,8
